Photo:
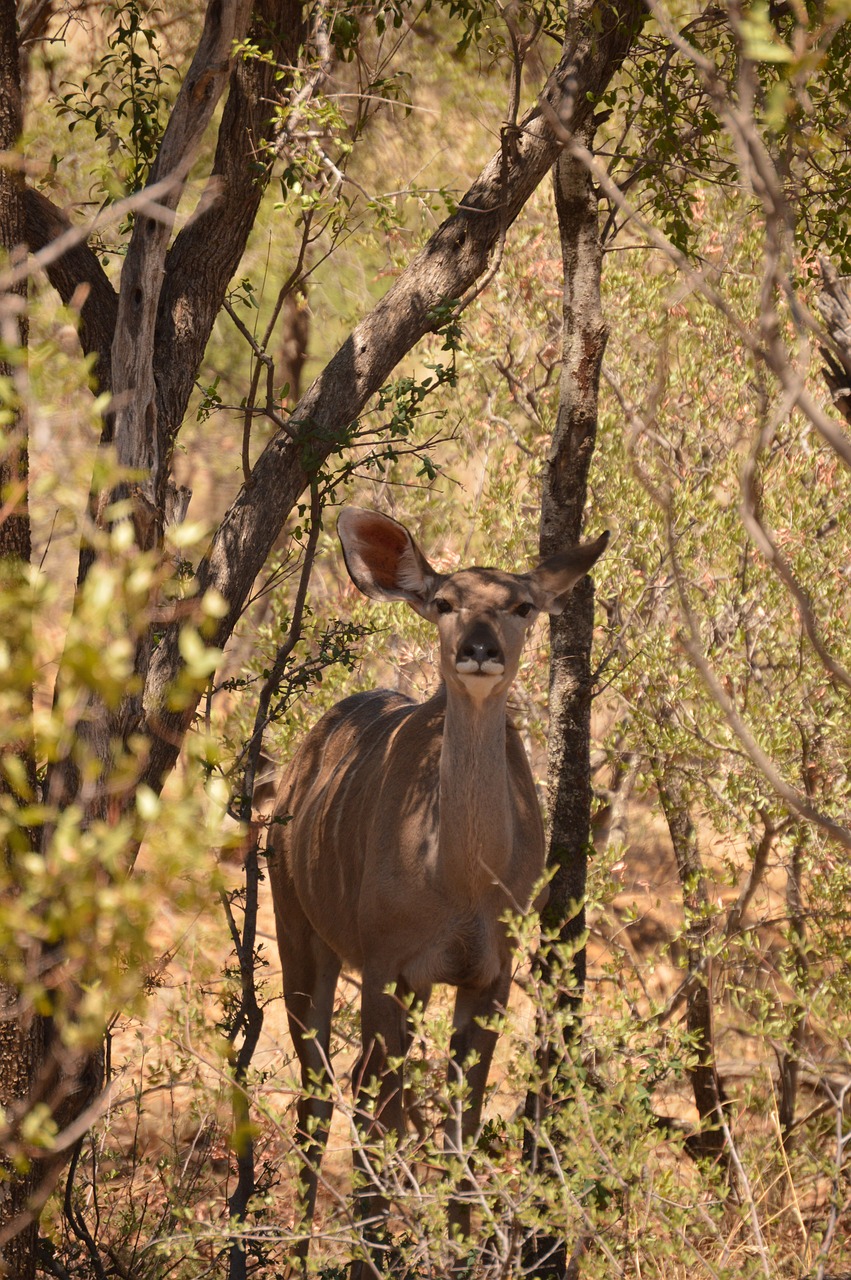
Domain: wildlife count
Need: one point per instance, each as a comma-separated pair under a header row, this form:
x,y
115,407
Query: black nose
x,y
480,645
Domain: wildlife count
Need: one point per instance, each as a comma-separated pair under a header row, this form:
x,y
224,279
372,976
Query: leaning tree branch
x,y
763,538
452,260
133,363
79,279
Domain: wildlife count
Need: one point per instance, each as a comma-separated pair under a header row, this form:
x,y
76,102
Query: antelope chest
x,y
467,949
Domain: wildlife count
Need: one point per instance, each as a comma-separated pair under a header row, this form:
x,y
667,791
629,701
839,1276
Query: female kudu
x,y
402,834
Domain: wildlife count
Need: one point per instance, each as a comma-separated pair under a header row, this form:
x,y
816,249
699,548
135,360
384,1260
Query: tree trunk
x,y
789,1058
568,765
21,1033
451,263
707,1089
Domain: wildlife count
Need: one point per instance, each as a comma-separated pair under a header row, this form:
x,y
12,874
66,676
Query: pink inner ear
x,y
382,546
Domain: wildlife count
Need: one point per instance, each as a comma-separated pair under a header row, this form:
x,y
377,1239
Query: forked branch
x,y
454,258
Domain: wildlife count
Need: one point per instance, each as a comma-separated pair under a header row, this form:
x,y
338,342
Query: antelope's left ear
x,y
555,577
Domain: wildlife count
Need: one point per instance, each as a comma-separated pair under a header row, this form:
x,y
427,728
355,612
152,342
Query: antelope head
x,y
483,616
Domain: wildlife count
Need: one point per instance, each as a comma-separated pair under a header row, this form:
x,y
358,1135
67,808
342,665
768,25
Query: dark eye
x,y
524,609
442,606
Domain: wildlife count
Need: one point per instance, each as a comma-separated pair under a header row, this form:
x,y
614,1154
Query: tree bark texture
x,y
562,509
15,527
201,262
563,497
451,262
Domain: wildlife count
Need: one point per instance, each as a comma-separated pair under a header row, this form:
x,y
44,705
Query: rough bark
x,y
137,436
563,498
452,261
562,510
21,1033
201,263
15,526
21,1052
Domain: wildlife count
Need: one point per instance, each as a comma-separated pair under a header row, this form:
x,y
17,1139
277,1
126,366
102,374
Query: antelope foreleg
x,y
309,997
471,1052
379,1108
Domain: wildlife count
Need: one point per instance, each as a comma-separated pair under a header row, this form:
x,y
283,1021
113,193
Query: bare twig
x,y
736,914
150,201
798,802
763,538
248,1020
789,794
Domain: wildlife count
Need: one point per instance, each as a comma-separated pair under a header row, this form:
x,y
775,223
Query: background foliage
x,y
697,434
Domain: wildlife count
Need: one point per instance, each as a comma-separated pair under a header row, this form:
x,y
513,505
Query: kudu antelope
x,y
404,833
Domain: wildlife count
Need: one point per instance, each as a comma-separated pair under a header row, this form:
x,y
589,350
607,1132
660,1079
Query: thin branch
x,y
842,1141
772,353
150,201
762,853
249,1017
789,794
763,539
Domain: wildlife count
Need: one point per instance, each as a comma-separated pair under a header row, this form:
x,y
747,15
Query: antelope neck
x,y
476,834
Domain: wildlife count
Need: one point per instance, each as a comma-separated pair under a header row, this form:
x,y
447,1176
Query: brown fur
x,y
407,831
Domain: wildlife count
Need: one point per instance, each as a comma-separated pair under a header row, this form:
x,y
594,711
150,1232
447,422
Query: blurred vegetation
x,y
455,447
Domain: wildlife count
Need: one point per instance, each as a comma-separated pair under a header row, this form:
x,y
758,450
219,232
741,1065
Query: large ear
x,y
555,577
383,560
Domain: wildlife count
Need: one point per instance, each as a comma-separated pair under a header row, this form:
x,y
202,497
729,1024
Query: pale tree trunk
x,y
21,1033
568,766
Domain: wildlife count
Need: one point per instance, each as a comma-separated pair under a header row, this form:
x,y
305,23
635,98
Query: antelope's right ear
x,y
383,560
555,578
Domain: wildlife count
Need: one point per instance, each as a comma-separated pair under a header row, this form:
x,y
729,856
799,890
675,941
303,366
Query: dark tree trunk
x,y
708,1092
568,766
15,528
21,1033
789,1058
